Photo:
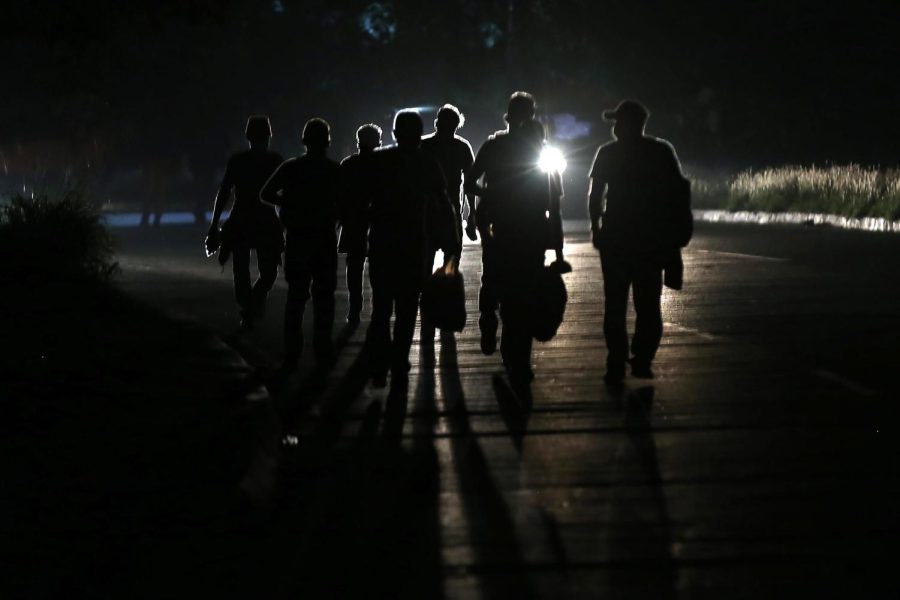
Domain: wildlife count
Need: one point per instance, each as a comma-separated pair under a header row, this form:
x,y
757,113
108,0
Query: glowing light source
x,y
552,160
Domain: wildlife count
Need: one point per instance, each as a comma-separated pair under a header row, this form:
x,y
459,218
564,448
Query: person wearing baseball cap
x,y
640,215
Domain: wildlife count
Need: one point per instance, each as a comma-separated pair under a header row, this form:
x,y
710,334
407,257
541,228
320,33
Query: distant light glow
x,y
552,160
491,34
566,126
417,109
377,21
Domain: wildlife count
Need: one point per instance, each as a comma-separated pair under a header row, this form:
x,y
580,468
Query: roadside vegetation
x,y
849,191
54,237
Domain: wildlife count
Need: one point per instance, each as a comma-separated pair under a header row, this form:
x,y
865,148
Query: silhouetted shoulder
x,y
602,160
664,152
489,148
461,140
465,148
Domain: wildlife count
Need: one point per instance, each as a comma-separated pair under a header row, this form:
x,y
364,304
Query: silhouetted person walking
x,y
512,218
409,211
635,224
454,154
358,178
306,190
252,225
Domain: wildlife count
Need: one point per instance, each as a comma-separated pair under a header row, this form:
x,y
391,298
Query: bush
x,y
54,237
849,191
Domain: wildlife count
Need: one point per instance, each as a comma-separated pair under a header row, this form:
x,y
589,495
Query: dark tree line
x,y
731,84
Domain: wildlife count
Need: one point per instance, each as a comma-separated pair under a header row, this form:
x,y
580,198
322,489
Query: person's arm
x,y
468,163
596,192
451,245
272,190
471,186
223,196
682,219
345,192
556,228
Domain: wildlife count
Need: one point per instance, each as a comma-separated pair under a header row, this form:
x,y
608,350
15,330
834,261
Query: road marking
x,y
691,330
847,384
750,256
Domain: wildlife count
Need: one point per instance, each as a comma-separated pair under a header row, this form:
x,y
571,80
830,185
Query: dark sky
x,y
732,84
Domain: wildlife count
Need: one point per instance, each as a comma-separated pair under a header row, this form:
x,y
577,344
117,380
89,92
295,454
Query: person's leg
x,y
488,300
516,289
299,276
378,336
356,260
323,286
267,261
240,266
407,298
648,317
616,282
426,332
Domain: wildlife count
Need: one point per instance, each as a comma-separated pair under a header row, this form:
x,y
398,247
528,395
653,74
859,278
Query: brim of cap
x,y
610,115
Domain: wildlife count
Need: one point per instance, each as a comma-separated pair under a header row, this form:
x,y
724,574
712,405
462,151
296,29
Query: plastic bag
x,y
548,302
444,298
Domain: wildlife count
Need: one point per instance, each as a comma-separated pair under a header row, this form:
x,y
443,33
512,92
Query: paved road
x,y
762,459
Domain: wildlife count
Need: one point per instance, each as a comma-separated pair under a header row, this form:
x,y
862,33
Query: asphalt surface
x,y
761,460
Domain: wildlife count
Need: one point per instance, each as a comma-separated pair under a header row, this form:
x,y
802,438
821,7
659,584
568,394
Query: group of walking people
x,y
395,207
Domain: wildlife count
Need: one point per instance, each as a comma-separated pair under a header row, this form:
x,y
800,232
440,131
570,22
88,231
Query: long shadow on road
x,y
499,563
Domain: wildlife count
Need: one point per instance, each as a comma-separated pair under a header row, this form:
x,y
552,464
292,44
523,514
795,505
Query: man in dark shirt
x,y
252,225
410,201
454,154
633,225
306,190
358,180
515,231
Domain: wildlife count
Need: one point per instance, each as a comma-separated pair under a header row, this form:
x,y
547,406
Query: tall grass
x,y
849,191
53,237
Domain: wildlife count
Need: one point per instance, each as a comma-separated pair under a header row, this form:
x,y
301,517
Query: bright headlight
x,y
552,160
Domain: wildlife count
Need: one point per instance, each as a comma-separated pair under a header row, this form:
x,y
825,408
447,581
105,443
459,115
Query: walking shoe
x,y
615,373
379,379
641,369
488,325
289,364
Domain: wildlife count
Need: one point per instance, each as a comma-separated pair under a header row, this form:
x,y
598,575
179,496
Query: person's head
x,y
316,135
534,134
519,109
368,137
448,120
408,128
258,131
629,119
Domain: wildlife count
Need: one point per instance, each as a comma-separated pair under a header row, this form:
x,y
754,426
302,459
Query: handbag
x,y
444,298
548,302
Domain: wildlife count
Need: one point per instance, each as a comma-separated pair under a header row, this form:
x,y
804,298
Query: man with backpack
x,y
639,206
